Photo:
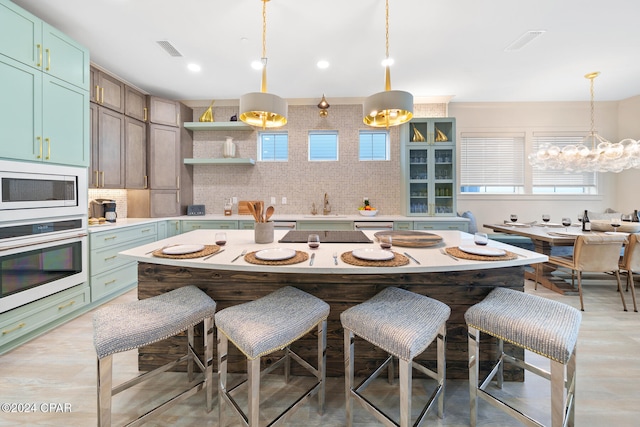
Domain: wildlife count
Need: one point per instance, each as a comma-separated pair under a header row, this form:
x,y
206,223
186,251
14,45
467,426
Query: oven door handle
x,y
77,236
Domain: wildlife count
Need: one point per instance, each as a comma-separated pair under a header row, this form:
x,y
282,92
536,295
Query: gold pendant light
x,y
261,108
391,107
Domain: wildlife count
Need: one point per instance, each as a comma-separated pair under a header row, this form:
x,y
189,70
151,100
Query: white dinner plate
x,y
372,254
482,250
275,254
182,249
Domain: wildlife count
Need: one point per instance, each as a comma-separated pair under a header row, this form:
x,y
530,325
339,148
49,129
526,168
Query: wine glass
x,y
566,221
313,240
385,241
481,239
221,239
615,223
546,218
626,217
513,217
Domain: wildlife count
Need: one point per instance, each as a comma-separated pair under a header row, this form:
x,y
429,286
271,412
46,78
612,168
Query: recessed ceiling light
x,y
259,64
323,64
194,67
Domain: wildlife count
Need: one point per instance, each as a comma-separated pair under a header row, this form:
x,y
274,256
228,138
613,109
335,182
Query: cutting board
x,y
411,239
243,208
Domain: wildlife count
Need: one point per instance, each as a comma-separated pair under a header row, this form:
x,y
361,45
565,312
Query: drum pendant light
x,y
263,109
391,107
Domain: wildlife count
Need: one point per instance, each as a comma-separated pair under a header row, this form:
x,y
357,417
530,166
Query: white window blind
x,y
273,147
374,145
323,146
492,160
551,178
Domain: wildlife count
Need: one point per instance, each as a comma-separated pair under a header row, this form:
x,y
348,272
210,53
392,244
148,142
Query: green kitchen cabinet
x,y
429,167
190,225
44,79
460,225
110,274
246,225
33,42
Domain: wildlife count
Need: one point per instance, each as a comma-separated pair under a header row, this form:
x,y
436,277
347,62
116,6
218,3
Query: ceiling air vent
x,y
524,40
166,45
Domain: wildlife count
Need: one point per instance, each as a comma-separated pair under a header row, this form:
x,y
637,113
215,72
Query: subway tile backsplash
x,y
302,182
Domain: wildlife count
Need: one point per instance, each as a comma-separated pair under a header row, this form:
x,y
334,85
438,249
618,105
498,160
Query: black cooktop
x,y
300,236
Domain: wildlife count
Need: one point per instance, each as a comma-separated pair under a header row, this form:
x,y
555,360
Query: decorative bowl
x,y
372,212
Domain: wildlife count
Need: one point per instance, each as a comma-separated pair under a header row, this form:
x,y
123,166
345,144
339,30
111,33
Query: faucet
x,y
327,207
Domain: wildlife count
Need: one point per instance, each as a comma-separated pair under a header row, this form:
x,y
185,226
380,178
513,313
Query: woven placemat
x,y
396,261
299,257
464,255
208,250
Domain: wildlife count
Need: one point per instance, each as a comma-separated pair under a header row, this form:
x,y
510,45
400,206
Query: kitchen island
x,y
459,283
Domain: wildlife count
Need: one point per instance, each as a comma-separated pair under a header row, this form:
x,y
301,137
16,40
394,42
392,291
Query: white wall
x,y
627,188
528,118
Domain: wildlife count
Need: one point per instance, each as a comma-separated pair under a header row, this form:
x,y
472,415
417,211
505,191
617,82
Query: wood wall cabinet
x,y
428,167
107,91
164,111
44,87
107,148
135,153
135,104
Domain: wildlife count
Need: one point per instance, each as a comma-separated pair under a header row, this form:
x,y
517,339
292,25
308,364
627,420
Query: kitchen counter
x,y
459,284
124,222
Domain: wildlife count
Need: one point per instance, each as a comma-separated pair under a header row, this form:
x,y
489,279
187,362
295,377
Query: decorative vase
x,y
229,148
207,116
264,232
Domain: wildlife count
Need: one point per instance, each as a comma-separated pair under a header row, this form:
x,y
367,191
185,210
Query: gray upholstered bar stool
x,y
403,324
122,327
548,328
261,327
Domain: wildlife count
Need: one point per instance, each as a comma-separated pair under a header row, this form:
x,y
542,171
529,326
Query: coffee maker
x,y
105,208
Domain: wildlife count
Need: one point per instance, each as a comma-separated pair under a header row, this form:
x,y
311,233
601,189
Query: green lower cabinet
x,y
173,229
441,225
114,281
403,225
190,225
246,225
28,321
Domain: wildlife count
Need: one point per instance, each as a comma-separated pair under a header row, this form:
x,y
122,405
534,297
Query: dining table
x,y
544,237
347,268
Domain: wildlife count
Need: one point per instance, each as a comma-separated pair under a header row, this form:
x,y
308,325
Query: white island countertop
x,y
430,258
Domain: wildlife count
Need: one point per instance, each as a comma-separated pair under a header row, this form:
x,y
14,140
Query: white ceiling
x,y
450,48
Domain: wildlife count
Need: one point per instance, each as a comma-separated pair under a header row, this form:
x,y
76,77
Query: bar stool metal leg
x,y
322,363
348,371
223,346
253,385
474,368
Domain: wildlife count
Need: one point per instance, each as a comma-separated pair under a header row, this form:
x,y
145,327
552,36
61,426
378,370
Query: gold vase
x,y
417,136
207,116
440,136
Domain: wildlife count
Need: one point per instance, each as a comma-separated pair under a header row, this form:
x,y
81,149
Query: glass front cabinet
x,y
429,167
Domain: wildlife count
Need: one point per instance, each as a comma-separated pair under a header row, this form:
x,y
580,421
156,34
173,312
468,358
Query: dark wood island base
x,y
458,289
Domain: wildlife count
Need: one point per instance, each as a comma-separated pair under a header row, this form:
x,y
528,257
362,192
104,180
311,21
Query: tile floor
x,y
55,374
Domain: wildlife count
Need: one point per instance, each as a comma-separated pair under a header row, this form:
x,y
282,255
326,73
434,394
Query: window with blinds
x,y
323,146
273,146
374,145
550,181
492,163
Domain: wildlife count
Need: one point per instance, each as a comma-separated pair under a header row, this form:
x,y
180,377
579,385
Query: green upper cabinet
x,y
33,42
44,82
428,167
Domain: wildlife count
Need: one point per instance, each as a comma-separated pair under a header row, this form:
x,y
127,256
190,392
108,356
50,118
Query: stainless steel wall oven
x,y
43,231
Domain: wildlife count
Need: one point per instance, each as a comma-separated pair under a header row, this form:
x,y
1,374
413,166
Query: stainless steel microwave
x,y
35,190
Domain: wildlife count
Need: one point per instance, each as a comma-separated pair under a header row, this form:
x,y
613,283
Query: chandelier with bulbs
x,y
595,154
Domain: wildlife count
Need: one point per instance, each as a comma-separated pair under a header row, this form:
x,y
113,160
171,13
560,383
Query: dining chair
x,y
594,253
630,262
